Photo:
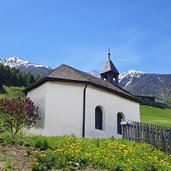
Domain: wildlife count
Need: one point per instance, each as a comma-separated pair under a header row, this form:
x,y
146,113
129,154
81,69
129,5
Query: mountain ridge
x,y
148,84
26,66
136,82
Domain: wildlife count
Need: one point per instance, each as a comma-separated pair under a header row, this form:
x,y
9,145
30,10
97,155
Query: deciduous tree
x,y
17,113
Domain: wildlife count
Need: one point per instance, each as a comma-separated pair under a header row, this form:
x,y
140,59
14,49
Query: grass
x,y
6,162
155,115
12,92
71,153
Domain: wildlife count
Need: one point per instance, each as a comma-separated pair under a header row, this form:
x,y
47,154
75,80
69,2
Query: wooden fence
x,y
158,136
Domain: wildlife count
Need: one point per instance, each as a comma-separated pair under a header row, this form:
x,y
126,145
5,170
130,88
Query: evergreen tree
x,y
13,77
31,79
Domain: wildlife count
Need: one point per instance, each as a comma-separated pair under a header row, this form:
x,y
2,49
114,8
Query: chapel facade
x,y
74,102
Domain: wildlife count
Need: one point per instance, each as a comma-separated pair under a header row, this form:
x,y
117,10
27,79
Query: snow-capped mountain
x,y
17,62
127,77
26,66
141,83
94,73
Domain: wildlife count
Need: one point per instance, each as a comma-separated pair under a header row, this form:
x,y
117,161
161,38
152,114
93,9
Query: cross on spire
x,y
109,53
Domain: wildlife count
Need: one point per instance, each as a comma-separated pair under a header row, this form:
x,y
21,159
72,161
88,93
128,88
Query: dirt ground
x,y
15,158
18,158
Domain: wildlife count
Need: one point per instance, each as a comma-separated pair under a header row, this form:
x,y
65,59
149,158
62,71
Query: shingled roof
x,y
109,66
65,73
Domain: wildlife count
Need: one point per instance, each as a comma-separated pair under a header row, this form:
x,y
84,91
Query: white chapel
x,y
74,102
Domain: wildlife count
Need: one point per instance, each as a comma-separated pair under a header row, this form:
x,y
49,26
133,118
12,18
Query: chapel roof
x,y
65,73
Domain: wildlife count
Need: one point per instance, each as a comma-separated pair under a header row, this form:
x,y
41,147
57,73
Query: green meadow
x,y
12,92
155,115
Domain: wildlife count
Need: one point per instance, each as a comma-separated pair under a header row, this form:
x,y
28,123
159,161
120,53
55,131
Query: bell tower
x,y
109,72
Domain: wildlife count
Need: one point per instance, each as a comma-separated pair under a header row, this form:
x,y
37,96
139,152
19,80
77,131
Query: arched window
x,y
120,116
98,118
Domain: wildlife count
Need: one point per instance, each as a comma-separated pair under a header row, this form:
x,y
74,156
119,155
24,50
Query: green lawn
x,y
155,115
13,92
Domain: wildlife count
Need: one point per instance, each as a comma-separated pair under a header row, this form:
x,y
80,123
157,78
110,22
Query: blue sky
x,y
79,32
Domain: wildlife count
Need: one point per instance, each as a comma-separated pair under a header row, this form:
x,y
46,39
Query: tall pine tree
x,y
13,77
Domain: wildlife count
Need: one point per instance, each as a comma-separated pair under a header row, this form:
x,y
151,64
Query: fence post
x,y
157,138
124,128
156,135
169,140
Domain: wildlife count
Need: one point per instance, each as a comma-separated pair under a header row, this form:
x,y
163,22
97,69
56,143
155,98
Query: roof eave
x,y
104,72
41,81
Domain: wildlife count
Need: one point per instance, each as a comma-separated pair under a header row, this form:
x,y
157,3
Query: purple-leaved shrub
x,y
17,113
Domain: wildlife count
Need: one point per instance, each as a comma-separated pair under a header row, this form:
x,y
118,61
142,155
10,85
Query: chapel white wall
x,y
38,96
64,108
61,109
111,104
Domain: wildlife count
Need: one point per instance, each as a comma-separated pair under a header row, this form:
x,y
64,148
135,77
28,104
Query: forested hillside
x,y
13,77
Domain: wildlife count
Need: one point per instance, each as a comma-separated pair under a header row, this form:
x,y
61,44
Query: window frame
x,y
99,122
120,117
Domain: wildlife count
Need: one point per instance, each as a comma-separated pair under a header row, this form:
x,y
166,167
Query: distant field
x,y
156,115
169,101
13,92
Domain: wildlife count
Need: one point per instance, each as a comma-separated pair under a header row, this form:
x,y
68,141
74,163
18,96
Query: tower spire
x,y
108,53
109,72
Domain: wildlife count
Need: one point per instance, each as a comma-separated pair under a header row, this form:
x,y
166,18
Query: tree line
x,y
14,77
